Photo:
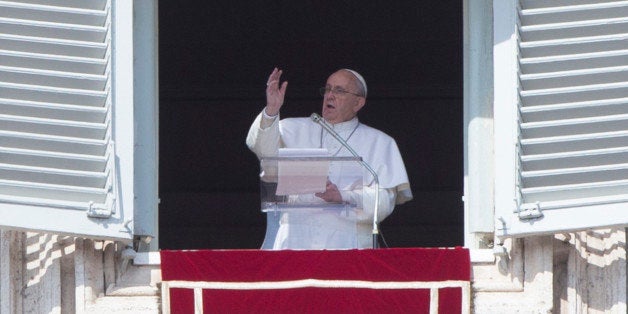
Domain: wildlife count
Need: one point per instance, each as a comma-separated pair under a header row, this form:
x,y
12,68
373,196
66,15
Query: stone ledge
x,y
135,305
132,291
137,281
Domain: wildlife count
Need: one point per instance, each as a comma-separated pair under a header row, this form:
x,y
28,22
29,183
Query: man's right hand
x,y
275,93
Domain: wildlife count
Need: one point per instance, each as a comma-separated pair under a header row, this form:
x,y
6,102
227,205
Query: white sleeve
x,y
365,199
264,137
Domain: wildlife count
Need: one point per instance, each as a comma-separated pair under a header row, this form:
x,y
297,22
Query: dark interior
x,y
214,60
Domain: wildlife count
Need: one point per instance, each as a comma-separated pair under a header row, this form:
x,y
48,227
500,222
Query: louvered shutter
x,y
58,167
567,147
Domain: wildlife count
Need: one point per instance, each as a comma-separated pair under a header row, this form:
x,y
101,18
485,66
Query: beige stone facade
x,y
583,272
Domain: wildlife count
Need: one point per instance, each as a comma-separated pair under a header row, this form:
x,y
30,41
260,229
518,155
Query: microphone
x,y
318,119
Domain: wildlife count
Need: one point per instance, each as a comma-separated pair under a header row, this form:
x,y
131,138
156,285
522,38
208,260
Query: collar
x,y
346,126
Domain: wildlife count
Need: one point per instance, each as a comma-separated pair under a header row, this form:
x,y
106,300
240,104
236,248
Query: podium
x,y
287,193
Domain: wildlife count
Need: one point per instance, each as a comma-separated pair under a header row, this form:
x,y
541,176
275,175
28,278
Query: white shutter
x,y
570,136
57,156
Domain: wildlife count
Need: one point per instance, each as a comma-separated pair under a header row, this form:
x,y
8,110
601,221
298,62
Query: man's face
x,y
340,103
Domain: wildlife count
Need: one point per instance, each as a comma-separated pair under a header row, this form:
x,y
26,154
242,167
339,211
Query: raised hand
x,y
275,93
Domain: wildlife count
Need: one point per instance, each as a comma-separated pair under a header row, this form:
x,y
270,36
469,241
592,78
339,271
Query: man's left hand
x,y
331,193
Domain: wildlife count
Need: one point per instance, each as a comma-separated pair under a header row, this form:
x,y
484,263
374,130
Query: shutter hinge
x,y
501,228
95,211
530,211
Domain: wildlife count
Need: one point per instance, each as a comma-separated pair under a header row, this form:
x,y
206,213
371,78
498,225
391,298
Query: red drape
x,y
339,268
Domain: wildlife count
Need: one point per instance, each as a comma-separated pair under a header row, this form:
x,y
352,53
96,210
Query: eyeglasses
x,y
336,91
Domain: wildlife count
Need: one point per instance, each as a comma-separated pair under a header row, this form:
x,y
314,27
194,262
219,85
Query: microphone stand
x,y
318,119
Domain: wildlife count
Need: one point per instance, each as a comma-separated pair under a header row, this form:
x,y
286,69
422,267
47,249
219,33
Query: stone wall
x,y
582,272
46,273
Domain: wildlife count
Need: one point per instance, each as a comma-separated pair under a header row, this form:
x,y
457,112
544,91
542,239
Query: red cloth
x,y
254,266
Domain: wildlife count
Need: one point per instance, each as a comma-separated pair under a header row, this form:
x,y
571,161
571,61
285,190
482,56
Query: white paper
x,y
302,177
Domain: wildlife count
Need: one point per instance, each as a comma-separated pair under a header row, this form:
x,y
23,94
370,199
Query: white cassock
x,y
334,229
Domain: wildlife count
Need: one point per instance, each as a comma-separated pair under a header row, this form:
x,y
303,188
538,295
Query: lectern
x,y
288,186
